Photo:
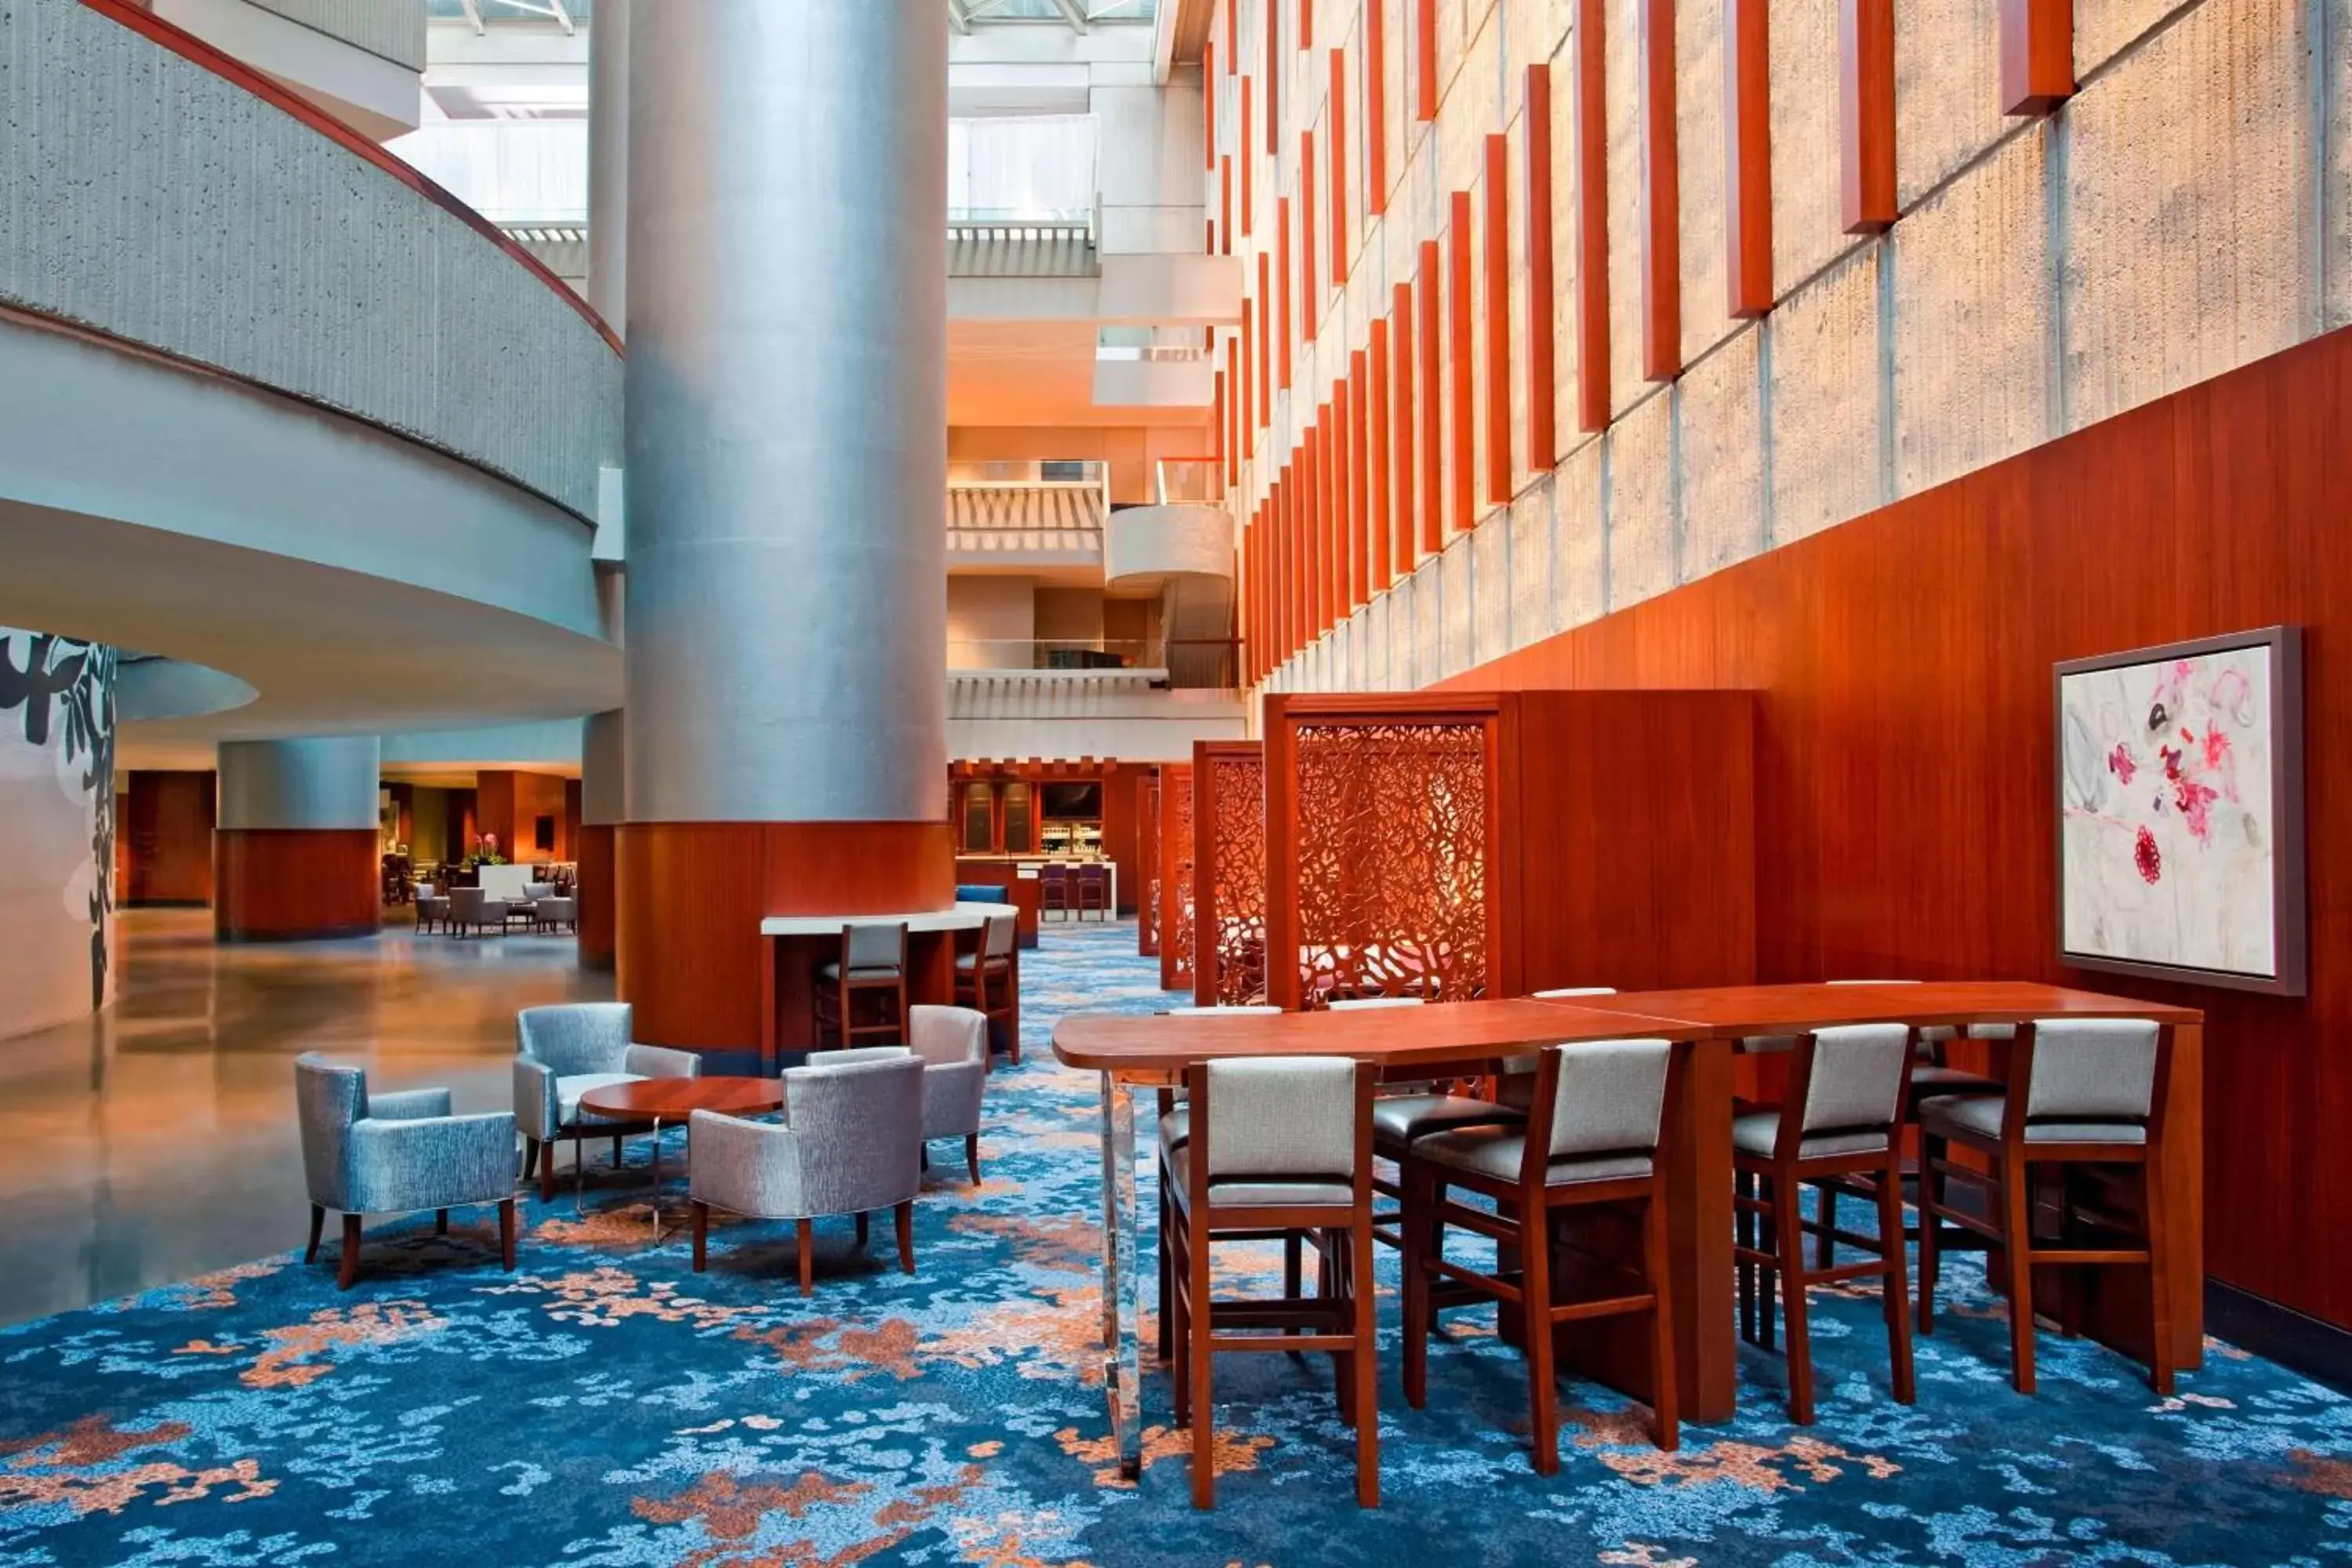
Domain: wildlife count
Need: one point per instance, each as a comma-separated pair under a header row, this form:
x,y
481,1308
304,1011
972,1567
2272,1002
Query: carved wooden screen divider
x,y
1386,818
1176,877
1228,873
1147,862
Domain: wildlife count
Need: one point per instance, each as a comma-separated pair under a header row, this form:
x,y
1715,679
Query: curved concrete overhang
x,y
1144,546
149,690
360,583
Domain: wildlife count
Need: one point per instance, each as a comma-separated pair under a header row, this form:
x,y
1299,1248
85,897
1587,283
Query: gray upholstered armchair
x,y
395,1154
850,1142
471,910
953,1045
562,1052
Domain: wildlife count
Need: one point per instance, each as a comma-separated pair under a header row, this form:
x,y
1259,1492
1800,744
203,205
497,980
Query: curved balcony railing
x,y
162,194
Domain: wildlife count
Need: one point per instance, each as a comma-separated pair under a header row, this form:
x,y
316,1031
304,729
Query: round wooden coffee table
x,y
655,1100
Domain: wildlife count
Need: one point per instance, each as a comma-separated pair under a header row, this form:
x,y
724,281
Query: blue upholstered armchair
x,y
850,1142
562,1053
395,1154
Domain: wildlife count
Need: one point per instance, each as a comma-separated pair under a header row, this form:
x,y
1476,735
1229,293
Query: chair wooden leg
x,y
547,1172
805,1243
1665,1403
701,1212
1343,1362
2159,1265
2017,1255
862,1230
318,1225
506,1232
1167,1278
1365,1359
529,1155
1932,1194
971,1156
1788,1220
1768,1275
1743,1232
618,1157
1197,1356
440,1222
1543,1389
1419,1225
1175,1328
1824,1244
905,1217
1896,1304
1294,1271
346,1268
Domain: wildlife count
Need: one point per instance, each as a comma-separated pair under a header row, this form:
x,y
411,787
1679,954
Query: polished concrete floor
x,y
156,1140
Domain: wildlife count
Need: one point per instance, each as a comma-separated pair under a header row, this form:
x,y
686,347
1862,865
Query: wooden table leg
x,y
1698,1185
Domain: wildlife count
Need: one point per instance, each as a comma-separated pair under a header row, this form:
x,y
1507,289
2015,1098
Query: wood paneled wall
x,y
598,896
166,832
1904,762
295,884
510,803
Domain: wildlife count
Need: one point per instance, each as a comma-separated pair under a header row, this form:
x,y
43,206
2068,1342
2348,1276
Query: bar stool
x,y
983,979
1175,1127
1590,1140
2093,1094
1052,889
1277,1145
1410,1112
1841,1119
1093,889
873,963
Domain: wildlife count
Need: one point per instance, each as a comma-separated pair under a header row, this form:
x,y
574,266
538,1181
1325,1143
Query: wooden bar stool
x,y
1092,886
1842,1121
1591,1139
1403,1113
2082,1091
983,979
1052,889
1280,1145
873,964
1175,1128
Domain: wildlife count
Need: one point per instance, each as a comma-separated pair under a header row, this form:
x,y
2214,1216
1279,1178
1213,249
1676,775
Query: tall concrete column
x,y
295,854
608,164
604,806
786,460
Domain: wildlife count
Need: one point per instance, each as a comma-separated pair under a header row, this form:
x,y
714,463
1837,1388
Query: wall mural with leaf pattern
x,y
56,828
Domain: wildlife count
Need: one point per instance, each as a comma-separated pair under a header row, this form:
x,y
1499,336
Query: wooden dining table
x,y
1132,1052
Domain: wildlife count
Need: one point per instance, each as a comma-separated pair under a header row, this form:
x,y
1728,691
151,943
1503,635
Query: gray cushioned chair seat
x,y
568,1091
870,972
1926,1080
968,962
1398,1119
1256,1192
1759,1132
1496,1151
1980,1114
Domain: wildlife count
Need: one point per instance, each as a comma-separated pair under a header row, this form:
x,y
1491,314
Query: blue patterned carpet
x,y
605,1405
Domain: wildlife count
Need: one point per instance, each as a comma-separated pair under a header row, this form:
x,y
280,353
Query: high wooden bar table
x,y
793,945
1130,1052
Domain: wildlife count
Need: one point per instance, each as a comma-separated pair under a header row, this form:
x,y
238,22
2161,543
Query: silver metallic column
x,y
608,164
328,782
787,440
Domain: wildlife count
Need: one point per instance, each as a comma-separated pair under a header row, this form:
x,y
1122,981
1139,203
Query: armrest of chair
x,y
434,1163
408,1105
750,1167
851,1056
660,1061
536,1109
952,1093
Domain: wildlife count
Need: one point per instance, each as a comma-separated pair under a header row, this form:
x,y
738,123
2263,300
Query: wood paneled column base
x,y
597,894
692,894
296,884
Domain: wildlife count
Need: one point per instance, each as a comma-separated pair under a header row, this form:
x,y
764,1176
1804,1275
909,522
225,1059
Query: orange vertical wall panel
x,y
1401,424
1499,318
1273,78
2037,55
1662,265
1339,146
1359,480
1375,107
1589,118
1233,39
1305,23
1461,379
1866,115
1543,439
1243,373
1425,59
1228,439
1377,412
1266,335
1747,157
1307,293
1431,286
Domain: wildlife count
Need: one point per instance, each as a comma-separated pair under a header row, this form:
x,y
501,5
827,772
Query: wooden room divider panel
x,y
1228,872
1386,819
1147,859
1176,877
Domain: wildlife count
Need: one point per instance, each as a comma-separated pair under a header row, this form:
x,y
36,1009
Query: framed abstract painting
x,y
2180,812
